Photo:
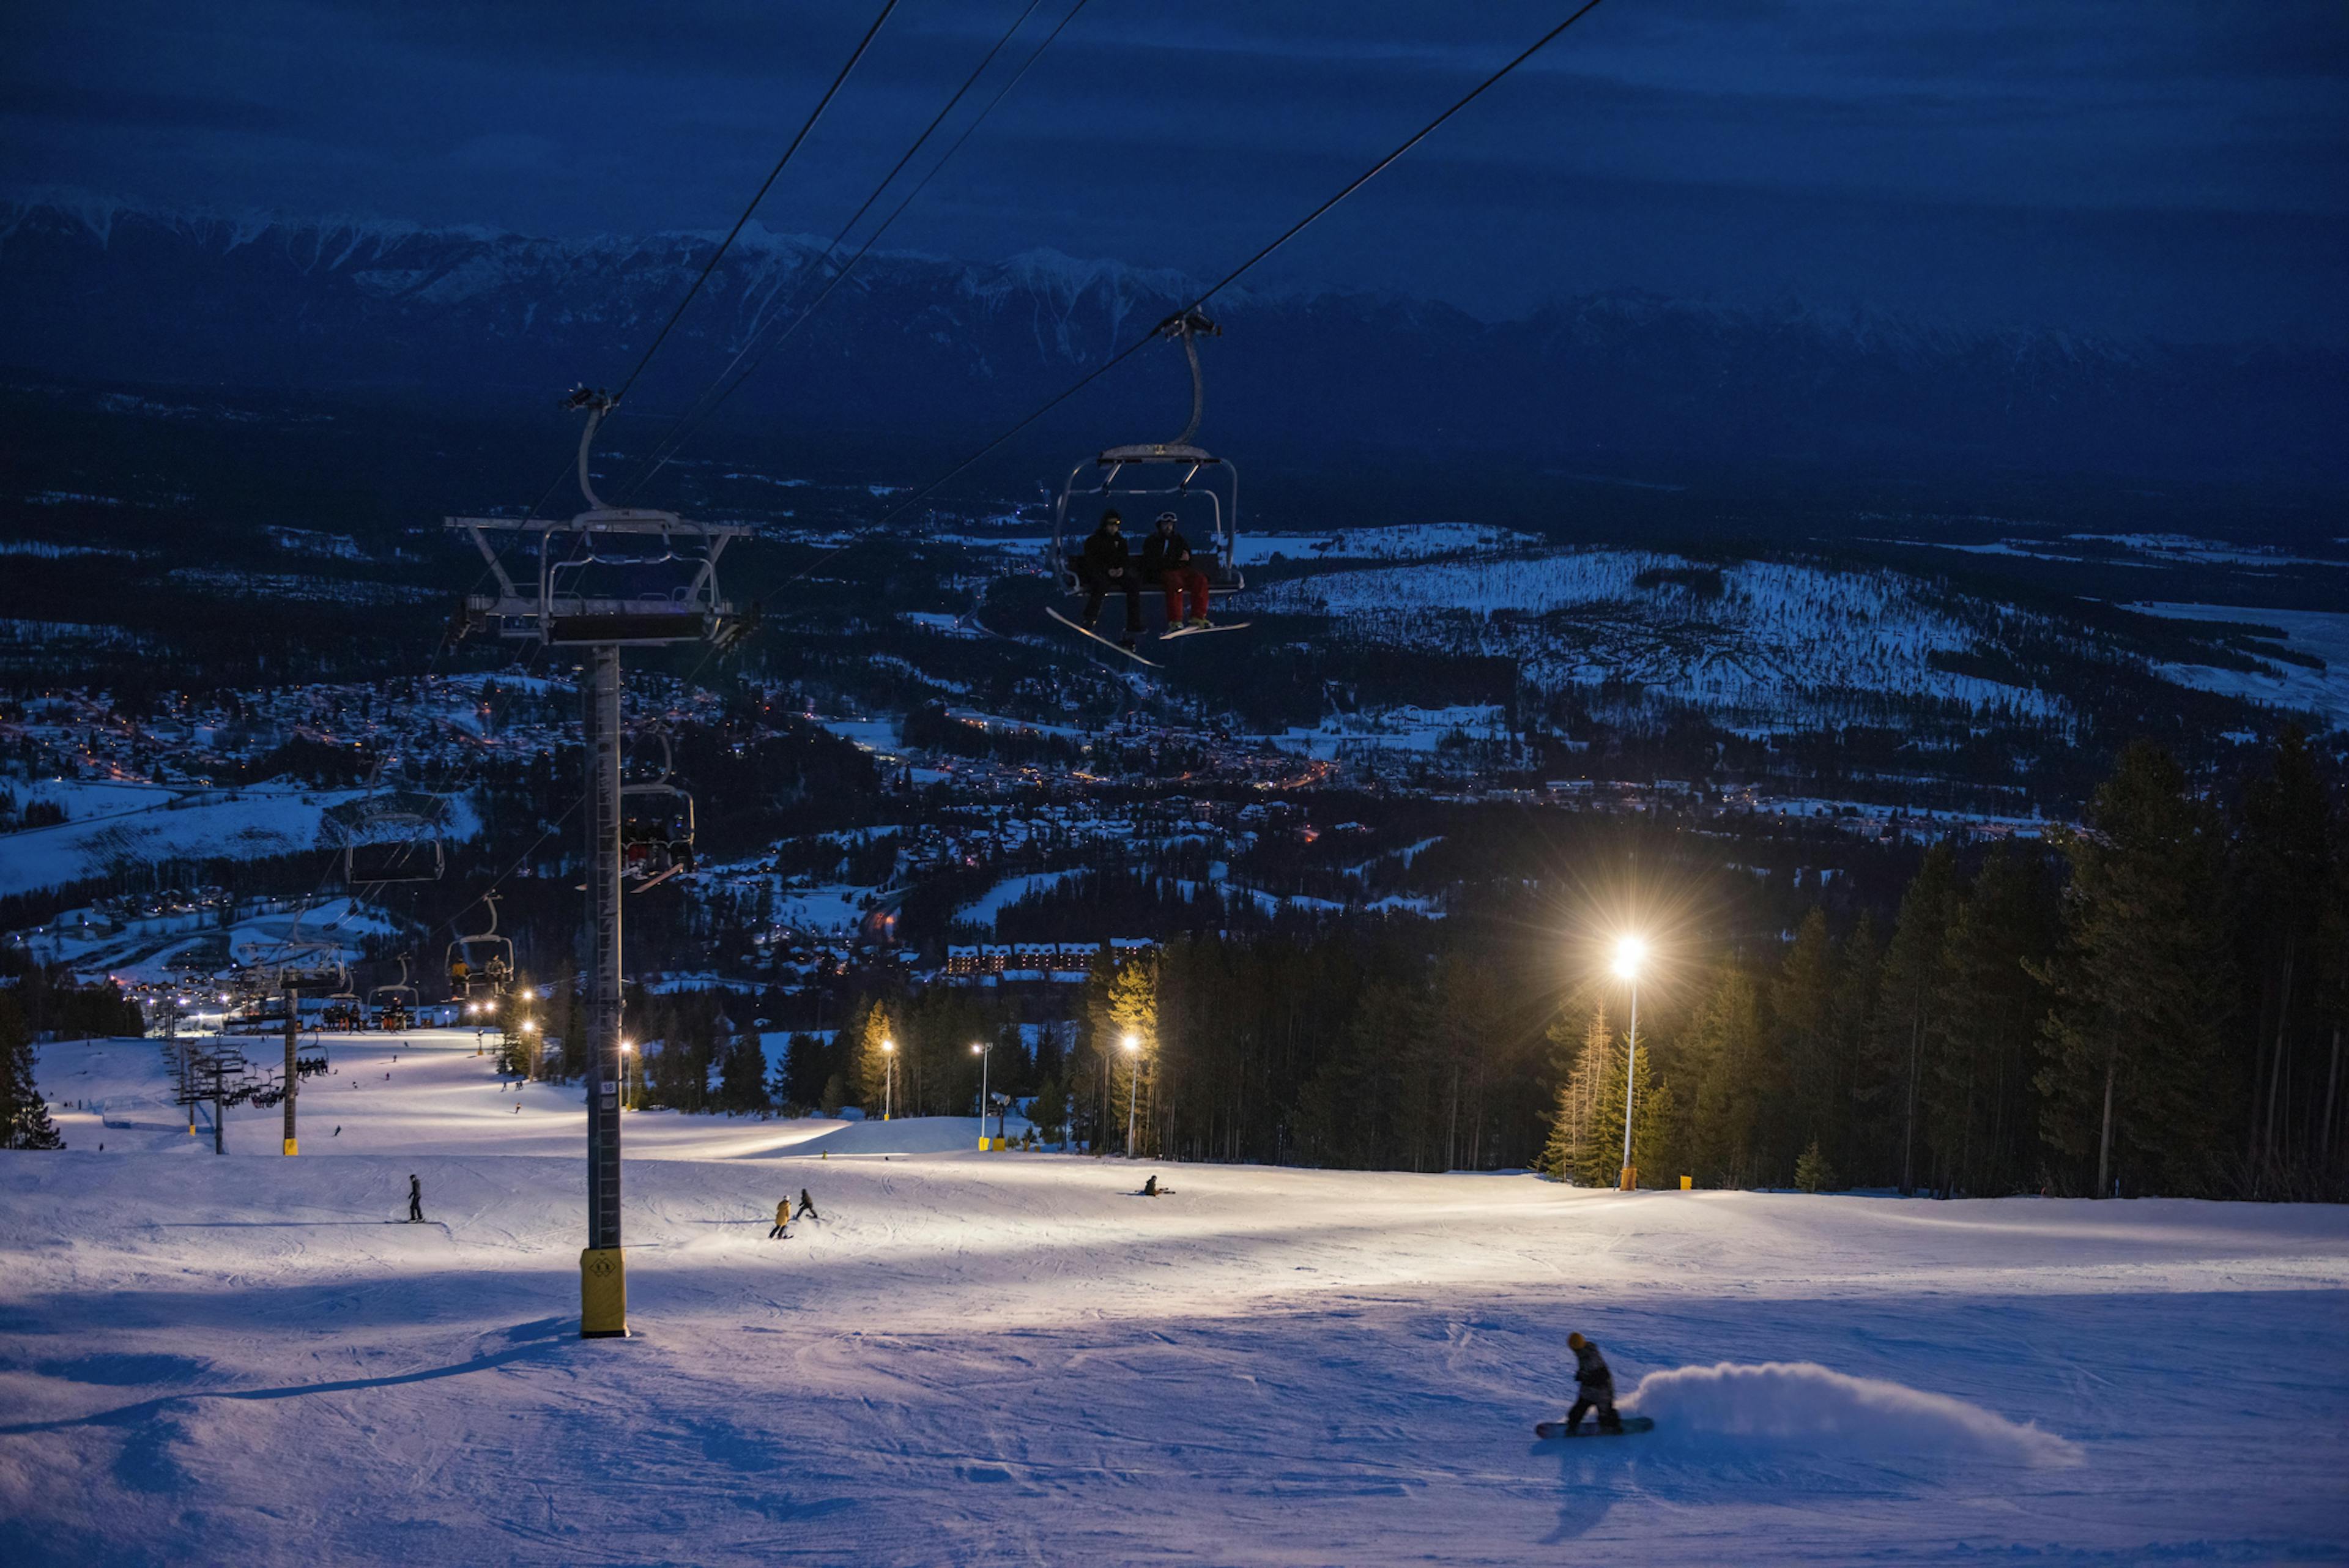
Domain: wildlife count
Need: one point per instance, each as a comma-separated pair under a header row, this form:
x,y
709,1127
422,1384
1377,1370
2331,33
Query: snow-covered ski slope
x,y
989,1357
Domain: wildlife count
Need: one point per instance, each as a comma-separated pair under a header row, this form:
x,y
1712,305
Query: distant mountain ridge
x,y
473,320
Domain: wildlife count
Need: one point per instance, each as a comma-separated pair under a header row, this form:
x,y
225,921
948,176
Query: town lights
x,y
1630,953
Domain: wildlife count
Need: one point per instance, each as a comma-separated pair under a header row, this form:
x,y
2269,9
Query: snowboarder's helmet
x,y
1168,519
1575,1342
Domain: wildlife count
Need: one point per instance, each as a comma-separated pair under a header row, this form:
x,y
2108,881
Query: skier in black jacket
x,y
1166,563
415,1200
1107,567
1593,1386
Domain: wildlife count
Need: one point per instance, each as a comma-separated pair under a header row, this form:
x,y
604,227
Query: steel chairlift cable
x,y
764,186
693,421
1089,377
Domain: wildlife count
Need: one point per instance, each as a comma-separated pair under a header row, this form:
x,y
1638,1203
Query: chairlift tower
x,y
609,577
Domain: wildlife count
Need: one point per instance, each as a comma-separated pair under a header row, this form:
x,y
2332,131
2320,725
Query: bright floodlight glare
x,y
979,1050
1132,1042
888,1044
626,1046
1629,953
528,1025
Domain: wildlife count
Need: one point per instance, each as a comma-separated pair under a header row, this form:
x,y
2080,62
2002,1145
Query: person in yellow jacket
x,y
783,1222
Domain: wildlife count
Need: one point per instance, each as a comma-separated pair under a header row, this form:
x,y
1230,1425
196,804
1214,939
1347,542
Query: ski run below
x,y
1013,1358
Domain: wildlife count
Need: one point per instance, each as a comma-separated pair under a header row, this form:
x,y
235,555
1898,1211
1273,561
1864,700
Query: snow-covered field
x,y
2320,633
1755,642
980,1358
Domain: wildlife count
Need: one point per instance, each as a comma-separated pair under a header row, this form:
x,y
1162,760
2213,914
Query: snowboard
x,y
1105,642
1590,1429
1204,630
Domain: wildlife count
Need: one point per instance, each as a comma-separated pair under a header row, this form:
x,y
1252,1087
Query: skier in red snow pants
x,y
1166,561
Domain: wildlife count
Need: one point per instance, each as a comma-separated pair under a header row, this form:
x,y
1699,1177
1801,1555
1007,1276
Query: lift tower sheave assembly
x,y
608,578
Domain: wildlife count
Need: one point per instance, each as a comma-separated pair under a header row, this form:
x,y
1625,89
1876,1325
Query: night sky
x,y
2165,167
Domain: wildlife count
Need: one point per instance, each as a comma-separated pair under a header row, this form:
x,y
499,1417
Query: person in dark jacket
x,y
1166,561
807,1207
1107,567
1593,1386
415,1200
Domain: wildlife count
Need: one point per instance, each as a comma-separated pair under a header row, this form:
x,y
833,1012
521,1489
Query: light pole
x,y
1629,954
627,1089
889,1077
1132,1080
982,1050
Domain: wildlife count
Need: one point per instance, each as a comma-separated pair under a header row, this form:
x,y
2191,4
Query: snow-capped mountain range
x,y
471,319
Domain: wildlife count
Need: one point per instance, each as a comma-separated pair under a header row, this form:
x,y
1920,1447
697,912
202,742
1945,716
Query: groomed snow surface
x,y
1003,1357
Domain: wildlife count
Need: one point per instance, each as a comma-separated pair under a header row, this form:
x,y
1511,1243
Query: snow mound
x,y
903,1134
1800,1399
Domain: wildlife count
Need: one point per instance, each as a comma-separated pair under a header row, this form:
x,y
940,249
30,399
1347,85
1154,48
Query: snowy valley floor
x,y
1009,1358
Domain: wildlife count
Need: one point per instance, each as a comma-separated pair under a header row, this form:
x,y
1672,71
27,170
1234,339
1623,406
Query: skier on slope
x,y
1593,1386
1107,567
807,1207
783,1221
1166,561
415,1199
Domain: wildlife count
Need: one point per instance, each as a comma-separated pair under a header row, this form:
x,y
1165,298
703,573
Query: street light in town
x,y
889,1079
1630,952
982,1050
1133,1043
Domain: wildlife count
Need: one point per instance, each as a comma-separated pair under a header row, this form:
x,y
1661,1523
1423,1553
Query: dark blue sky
x,y
2174,167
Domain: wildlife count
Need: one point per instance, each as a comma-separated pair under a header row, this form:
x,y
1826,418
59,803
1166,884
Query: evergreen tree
x,y
1912,975
870,1025
1653,1112
1812,1170
1803,1003
742,1077
1048,1108
800,1075
1978,1109
2133,1067
23,1113
2286,878
1727,1048
1561,1156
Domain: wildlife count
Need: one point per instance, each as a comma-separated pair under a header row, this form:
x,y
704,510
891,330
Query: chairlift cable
x,y
1087,379
700,414
772,175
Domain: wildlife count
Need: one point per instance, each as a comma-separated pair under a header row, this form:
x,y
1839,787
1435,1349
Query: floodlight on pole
x,y
980,1049
889,1077
1133,1043
1630,952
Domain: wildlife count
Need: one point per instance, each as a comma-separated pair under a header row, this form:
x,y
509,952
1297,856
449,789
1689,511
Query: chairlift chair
x,y
394,1006
389,843
1172,475
481,964
630,577
655,825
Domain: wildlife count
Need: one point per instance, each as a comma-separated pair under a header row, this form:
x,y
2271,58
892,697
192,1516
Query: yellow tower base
x,y
289,1145
602,1294
1630,1178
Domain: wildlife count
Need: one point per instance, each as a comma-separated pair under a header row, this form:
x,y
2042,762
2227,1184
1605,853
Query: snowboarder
x,y
783,1222
1593,1386
1150,1189
1166,561
1106,568
807,1207
415,1199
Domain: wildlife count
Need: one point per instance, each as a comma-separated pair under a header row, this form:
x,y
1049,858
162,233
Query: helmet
x,y
1168,517
1111,515
1576,1341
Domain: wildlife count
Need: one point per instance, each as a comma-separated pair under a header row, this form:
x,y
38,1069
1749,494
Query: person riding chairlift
x,y
1107,567
1166,561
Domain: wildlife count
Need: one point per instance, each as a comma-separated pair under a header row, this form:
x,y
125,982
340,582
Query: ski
x,y
1087,632
1592,1429
1202,630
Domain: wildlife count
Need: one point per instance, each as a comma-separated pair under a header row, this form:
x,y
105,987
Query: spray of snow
x,y
1800,1400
